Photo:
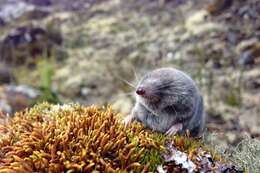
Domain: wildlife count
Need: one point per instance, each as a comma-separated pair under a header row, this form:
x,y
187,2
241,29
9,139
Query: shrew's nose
x,y
140,91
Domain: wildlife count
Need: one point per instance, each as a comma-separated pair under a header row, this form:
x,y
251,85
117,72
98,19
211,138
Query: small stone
x,y
2,22
250,56
16,98
217,6
41,2
26,43
11,11
5,74
245,44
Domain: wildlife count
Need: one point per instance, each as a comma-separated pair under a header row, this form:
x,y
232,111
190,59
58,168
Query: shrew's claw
x,y
174,129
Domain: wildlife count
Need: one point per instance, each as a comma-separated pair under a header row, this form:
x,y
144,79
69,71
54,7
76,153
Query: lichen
x,y
247,155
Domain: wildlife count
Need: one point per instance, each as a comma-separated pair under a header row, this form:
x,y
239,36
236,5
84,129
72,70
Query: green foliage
x,y
46,70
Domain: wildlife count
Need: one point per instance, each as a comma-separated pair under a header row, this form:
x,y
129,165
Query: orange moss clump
x,y
72,138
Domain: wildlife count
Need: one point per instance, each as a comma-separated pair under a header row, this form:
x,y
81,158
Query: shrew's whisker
x,y
127,82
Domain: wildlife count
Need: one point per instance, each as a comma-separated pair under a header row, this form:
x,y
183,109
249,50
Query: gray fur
x,y
174,99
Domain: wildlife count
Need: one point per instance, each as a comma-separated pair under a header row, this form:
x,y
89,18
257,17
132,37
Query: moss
x,y
153,157
74,138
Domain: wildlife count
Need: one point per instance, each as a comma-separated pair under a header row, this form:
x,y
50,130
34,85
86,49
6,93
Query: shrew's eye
x,y
165,85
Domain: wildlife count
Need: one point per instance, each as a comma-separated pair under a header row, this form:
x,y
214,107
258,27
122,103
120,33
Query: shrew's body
x,y
168,101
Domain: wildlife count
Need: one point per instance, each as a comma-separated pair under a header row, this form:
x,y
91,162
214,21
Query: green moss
x,y
153,157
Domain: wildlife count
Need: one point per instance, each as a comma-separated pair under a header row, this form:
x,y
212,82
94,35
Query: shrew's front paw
x,y
127,120
174,129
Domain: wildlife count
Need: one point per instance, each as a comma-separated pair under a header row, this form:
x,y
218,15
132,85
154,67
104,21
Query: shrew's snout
x,y
140,91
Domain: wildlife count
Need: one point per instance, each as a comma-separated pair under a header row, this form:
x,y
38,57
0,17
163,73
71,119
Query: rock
x,y
178,158
197,161
250,56
40,2
22,11
16,98
246,58
5,107
36,14
217,6
246,44
247,11
2,23
5,74
24,44
196,18
11,11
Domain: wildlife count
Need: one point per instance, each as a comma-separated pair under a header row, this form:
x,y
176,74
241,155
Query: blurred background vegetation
x,y
82,51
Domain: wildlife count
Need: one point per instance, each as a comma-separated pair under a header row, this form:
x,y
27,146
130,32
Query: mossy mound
x,y
73,138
